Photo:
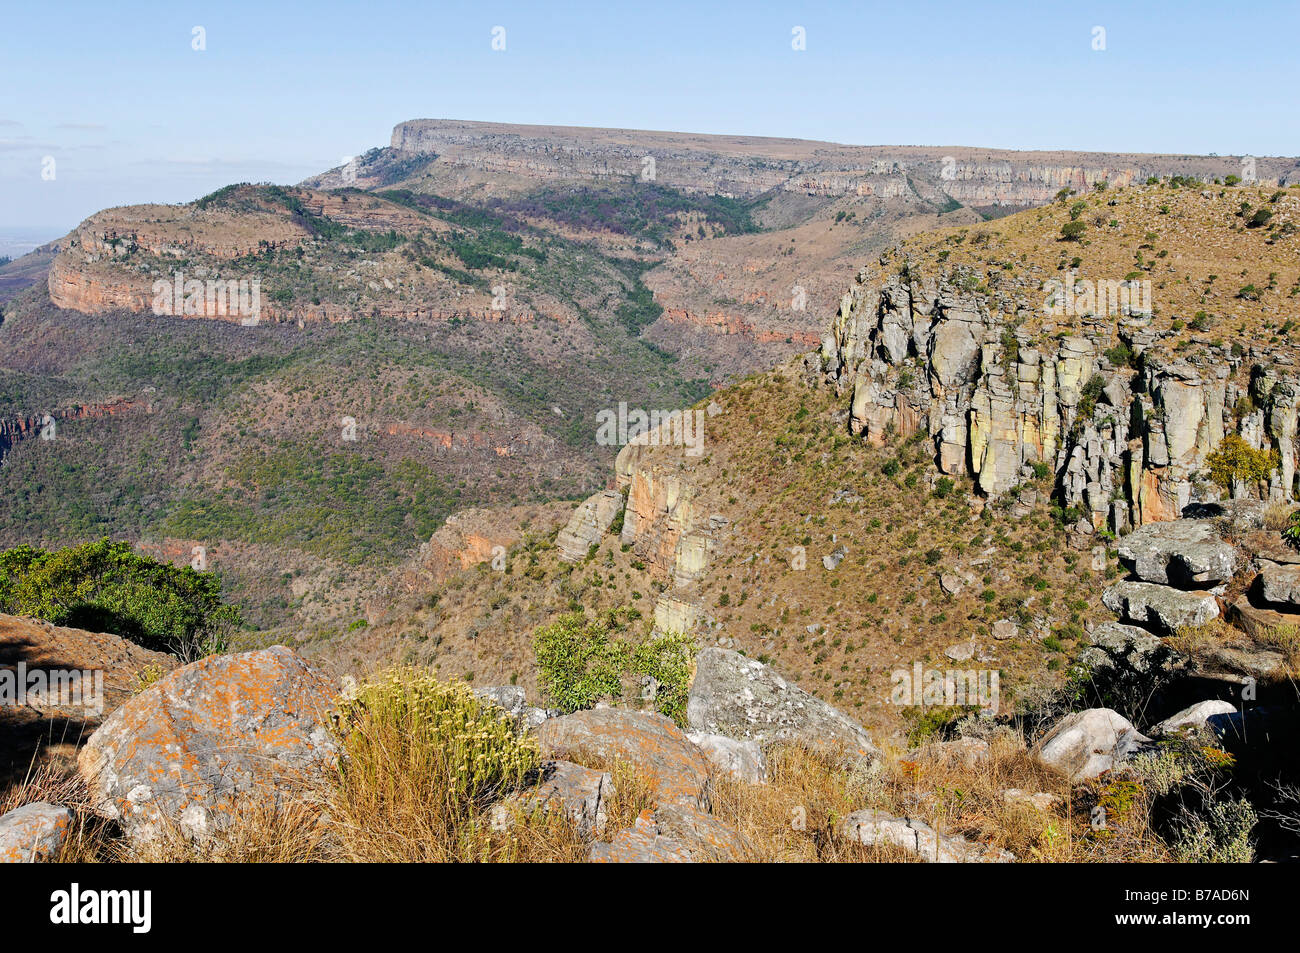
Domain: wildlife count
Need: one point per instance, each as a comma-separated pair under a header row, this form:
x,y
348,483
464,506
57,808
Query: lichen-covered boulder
x,y
740,698
650,743
33,833
221,735
673,834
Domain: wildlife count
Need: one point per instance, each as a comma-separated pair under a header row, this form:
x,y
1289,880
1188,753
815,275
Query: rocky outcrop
x,y
743,699
49,724
13,430
222,735
589,523
1185,553
1131,648
998,403
751,165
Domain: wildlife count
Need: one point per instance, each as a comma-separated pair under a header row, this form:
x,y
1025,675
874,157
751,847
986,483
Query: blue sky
x,y
130,112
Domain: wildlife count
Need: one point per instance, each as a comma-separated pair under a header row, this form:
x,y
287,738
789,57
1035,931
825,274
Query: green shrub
x,y
1073,231
108,587
580,661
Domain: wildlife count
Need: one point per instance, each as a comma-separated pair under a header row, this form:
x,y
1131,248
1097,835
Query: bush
x,y
108,587
581,662
1260,218
439,730
1073,231
424,761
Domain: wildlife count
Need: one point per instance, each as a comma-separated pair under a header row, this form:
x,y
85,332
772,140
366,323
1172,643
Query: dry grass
x,y
1285,639
793,817
1196,640
1277,516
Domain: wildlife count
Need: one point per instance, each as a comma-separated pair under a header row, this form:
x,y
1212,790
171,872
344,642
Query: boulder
x,y
1087,743
211,738
33,833
1040,801
742,760
961,652
951,585
673,834
1005,629
740,698
650,743
1213,714
879,828
1184,553
831,561
515,703
1280,584
581,793
1126,646
1163,609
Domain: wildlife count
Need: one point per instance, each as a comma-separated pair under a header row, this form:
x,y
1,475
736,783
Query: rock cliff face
x,y
997,402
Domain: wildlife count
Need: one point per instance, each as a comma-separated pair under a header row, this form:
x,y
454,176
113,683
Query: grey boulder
x,y
1163,609
1088,743
746,700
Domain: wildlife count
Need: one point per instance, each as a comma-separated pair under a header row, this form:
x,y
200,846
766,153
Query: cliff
x,y
1122,404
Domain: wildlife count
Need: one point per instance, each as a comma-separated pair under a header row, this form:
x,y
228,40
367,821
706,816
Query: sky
x,y
106,104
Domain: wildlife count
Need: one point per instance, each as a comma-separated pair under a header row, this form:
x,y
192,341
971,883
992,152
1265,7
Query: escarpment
x,y
751,165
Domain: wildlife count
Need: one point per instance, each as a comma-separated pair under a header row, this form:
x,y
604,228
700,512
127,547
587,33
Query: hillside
x,y
828,528
376,391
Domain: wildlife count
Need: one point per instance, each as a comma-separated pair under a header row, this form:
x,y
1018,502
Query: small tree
x,y
1073,231
1235,461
